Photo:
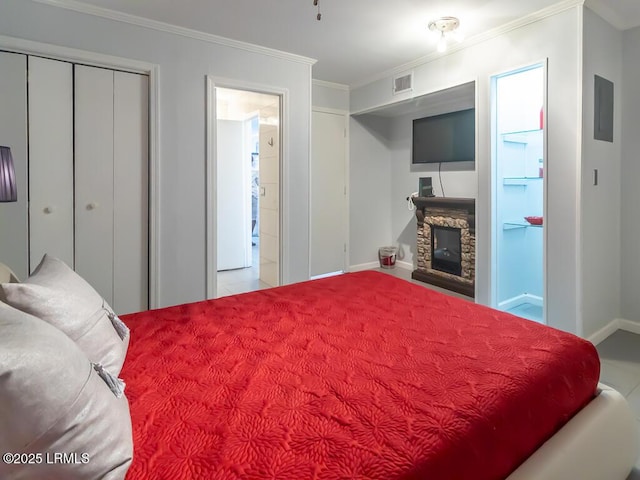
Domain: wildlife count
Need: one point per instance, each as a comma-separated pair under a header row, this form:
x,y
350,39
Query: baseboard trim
x,y
325,275
368,266
364,266
629,325
405,265
519,299
611,327
604,332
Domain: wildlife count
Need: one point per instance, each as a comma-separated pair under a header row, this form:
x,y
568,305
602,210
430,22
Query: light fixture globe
x,y
445,27
444,24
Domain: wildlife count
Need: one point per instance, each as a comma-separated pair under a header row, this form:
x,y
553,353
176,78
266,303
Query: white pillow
x,y
52,401
59,296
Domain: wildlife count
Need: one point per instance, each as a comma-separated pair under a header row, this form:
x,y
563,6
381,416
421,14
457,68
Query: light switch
x,y
263,191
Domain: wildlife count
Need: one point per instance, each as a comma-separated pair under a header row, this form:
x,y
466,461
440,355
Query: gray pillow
x,y
53,402
59,296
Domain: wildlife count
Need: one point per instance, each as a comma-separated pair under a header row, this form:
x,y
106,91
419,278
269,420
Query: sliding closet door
x,y
14,240
111,181
50,160
130,235
94,178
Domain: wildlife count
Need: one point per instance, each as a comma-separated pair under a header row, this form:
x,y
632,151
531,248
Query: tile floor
x,y
620,369
528,311
242,280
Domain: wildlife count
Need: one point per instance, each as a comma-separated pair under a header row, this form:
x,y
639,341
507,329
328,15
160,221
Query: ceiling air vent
x,y
403,83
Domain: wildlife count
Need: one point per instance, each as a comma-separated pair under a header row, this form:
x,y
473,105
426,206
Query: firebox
x,y
446,249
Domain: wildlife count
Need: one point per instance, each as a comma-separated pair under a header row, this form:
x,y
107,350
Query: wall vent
x,y
403,83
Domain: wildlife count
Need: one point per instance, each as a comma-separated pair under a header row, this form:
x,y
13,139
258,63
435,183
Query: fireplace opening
x,y
446,249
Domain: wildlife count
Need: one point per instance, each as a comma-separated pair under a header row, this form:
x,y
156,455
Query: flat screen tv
x,y
450,137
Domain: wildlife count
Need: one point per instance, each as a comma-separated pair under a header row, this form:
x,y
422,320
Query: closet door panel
x,y
94,177
14,228
130,236
50,160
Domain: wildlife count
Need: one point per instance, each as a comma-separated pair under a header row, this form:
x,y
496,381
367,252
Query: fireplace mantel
x,y
433,212
445,202
467,204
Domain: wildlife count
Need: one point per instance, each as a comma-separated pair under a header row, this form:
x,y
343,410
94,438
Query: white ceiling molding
x,y
166,27
610,15
324,83
67,54
507,27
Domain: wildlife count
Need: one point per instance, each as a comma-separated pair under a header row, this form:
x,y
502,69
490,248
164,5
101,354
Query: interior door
x,y
233,223
130,192
111,181
328,193
94,178
50,160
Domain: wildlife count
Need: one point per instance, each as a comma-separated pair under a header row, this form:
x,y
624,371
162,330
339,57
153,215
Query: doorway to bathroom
x,y
247,190
518,156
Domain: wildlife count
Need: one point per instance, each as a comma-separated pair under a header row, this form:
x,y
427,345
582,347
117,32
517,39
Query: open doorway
x,y
247,199
518,196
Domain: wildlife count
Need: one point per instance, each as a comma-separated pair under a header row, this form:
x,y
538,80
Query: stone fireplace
x,y
446,243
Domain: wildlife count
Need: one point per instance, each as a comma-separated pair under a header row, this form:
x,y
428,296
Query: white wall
x,y
370,188
600,228
526,45
630,174
184,62
334,96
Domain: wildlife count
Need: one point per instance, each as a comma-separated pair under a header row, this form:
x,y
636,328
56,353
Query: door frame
x,y
542,63
152,70
211,191
345,115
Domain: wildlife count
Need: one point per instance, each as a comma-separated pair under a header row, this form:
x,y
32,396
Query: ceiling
x,y
355,40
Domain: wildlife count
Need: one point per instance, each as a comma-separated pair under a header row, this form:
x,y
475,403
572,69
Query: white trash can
x,y
387,256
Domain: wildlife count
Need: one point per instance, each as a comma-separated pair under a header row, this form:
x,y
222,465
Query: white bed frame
x,y
600,442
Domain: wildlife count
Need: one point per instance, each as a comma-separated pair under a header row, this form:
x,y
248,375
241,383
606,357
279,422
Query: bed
x,y
366,376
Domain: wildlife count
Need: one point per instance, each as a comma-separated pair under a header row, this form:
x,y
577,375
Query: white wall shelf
x,y
519,181
511,225
523,136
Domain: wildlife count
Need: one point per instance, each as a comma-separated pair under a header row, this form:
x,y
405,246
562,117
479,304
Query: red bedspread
x,y
360,376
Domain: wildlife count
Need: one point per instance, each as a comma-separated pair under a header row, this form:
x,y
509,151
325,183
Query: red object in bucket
x,y
387,256
391,260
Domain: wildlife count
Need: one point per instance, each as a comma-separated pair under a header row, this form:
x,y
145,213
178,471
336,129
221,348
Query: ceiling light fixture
x,y
445,27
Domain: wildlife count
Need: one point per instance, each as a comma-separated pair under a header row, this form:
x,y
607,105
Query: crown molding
x,y
174,29
67,54
476,39
324,83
